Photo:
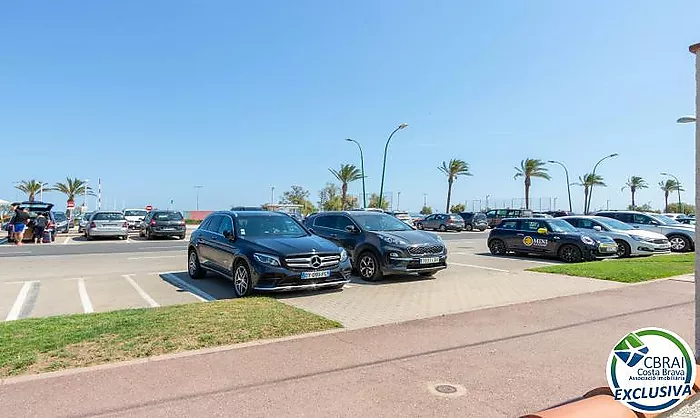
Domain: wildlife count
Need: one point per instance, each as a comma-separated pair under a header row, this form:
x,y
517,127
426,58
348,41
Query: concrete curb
x,y
164,357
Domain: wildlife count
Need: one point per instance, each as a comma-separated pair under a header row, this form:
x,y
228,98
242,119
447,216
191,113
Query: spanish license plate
x,y
315,274
168,229
430,260
608,248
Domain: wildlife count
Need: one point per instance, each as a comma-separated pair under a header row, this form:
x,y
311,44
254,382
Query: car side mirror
x,y
542,231
597,228
351,229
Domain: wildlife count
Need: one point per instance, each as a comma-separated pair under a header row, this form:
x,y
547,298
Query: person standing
x,y
20,223
39,226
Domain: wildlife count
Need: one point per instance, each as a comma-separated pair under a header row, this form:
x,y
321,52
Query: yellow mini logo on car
x,y
528,241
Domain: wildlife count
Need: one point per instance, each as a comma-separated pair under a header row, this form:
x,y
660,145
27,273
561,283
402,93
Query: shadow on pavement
x,y
534,257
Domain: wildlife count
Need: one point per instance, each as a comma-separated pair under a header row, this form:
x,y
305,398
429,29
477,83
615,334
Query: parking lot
x,y
76,276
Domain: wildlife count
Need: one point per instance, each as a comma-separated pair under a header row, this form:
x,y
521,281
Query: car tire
x,y
623,249
149,235
468,227
679,243
419,226
497,247
482,229
368,267
242,280
570,254
181,236
426,273
442,228
88,237
194,269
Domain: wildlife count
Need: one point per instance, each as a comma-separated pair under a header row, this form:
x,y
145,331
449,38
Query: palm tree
x,y
452,170
668,186
31,188
347,174
529,168
588,180
72,188
635,183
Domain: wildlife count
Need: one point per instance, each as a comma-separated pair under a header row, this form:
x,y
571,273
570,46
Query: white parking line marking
x,y
84,297
15,252
140,291
196,292
518,259
478,267
19,302
66,241
181,247
153,257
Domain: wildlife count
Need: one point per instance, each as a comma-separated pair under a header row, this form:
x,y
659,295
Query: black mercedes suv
x,y
381,244
265,251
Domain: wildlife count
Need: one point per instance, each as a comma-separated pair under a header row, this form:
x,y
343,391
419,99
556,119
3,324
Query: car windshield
x,y
614,224
665,220
108,216
269,226
87,216
140,213
558,225
380,222
168,216
59,216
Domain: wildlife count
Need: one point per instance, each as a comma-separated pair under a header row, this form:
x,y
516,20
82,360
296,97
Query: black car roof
x,y
250,213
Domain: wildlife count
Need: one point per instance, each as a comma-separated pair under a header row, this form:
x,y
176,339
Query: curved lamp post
x,y
678,182
568,186
362,168
386,147
590,193
686,119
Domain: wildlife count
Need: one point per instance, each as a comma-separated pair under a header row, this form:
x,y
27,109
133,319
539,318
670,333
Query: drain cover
x,y
446,389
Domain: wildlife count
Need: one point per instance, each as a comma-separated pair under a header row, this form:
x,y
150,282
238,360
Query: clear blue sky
x,y
156,97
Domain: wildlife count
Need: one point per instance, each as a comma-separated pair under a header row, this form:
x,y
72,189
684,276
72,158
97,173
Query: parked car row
x,y
114,224
272,251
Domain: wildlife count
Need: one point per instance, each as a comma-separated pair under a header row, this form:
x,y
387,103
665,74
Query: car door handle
x,y
521,235
556,237
333,235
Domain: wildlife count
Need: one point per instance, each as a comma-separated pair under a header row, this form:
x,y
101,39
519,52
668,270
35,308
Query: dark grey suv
x,y
380,244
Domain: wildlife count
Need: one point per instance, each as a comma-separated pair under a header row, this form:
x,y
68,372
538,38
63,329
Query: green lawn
x,y
61,342
628,270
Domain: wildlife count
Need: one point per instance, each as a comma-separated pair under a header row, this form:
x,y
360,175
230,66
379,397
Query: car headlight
x,y
392,240
587,240
642,239
343,254
270,260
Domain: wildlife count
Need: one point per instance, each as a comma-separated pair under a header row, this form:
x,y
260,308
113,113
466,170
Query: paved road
x,y
76,244
504,362
53,285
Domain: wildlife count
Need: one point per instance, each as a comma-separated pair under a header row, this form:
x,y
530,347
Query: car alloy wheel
x,y
419,226
623,249
570,254
241,280
497,247
468,227
442,228
367,267
193,268
678,243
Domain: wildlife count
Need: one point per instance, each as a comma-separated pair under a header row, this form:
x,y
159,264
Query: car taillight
x,y
92,225
449,221
153,222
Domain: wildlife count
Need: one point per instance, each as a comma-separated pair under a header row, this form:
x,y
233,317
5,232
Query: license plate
x,y
608,248
315,274
430,260
168,229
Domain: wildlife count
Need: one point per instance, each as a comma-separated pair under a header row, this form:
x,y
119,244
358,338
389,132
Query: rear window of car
x,y
168,216
59,216
456,217
135,213
108,216
479,217
508,225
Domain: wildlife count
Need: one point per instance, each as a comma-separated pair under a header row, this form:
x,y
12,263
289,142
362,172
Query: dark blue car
x,y
550,237
265,251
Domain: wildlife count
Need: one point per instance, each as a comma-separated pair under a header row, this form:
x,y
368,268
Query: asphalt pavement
x,y
500,362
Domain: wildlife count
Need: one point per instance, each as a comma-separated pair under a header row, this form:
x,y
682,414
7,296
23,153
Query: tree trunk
x,y
585,200
633,205
449,195
344,193
527,193
666,201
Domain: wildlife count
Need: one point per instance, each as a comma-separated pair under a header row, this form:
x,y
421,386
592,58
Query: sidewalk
x,y
500,362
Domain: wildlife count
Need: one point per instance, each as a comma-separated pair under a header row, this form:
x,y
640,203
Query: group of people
x,y
20,221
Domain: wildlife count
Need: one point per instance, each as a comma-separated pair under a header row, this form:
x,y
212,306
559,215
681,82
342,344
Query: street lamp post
x,y
272,196
85,195
398,200
362,168
695,49
678,183
386,147
590,192
425,199
568,186
686,119
198,187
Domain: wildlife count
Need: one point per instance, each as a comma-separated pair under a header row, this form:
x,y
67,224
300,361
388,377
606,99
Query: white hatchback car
x,y
630,241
